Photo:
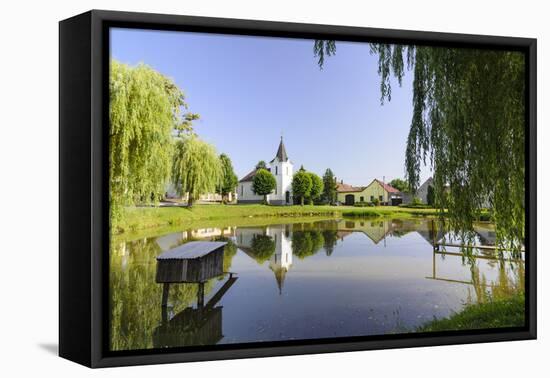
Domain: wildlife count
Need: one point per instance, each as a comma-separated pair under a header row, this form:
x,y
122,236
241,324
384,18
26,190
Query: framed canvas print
x,y
234,188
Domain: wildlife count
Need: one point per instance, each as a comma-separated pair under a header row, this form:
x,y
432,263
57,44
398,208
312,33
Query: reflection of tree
x,y
507,284
135,296
306,243
330,238
262,247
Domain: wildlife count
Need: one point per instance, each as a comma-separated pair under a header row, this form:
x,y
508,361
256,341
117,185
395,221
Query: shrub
x,y
363,204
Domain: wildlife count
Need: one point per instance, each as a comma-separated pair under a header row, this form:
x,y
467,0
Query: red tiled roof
x,y
345,188
387,187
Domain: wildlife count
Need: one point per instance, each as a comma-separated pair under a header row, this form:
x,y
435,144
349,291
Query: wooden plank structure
x,y
193,262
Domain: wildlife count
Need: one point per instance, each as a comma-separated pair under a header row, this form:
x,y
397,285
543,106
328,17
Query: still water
x,y
332,278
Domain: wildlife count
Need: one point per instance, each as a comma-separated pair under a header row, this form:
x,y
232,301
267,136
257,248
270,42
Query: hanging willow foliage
x,y
196,169
145,111
468,125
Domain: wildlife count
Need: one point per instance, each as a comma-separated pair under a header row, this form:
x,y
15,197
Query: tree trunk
x,y
190,200
265,199
302,200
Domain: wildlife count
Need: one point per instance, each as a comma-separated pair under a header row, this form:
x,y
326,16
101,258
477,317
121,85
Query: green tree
x,y
145,108
301,185
261,165
306,243
400,185
330,237
229,179
196,169
263,183
329,187
263,247
430,196
468,125
316,188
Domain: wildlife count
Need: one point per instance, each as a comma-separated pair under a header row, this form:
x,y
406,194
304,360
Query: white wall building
x,y
283,170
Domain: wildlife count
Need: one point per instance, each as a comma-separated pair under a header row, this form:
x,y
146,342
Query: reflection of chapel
x,y
281,261
280,167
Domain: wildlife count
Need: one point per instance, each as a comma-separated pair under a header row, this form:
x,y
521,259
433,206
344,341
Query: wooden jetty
x,y
193,262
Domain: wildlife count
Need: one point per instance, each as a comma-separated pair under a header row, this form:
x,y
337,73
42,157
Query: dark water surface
x,y
302,281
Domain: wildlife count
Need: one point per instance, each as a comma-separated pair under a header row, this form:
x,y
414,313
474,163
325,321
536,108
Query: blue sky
x,y
250,90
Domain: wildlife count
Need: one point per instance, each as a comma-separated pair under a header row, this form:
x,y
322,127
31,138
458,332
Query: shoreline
x,y
138,219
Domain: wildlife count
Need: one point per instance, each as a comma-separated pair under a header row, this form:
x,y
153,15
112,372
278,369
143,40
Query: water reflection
x,y
305,280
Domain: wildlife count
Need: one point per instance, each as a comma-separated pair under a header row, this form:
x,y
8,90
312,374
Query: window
x,y
362,199
242,190
380,199
276,171
372,198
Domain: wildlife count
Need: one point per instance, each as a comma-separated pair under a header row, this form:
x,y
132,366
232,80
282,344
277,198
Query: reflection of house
x,y
203,233
375,191
280,167
376,230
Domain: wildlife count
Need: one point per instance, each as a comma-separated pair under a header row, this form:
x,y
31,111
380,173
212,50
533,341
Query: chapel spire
x,y
281,152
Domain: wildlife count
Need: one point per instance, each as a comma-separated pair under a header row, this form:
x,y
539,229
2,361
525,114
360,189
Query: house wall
x,y
374,190
245,194
341,196
422,191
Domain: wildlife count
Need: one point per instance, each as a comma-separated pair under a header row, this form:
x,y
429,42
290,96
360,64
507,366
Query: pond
x,y
318,279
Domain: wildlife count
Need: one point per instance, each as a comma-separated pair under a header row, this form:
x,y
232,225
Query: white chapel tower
x,y
281,167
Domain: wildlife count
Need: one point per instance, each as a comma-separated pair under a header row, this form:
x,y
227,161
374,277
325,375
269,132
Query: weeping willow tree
x,y
196,168
468,125
146,108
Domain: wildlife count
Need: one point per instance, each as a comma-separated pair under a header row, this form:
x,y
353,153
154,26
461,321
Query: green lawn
x,y
140,218
502,313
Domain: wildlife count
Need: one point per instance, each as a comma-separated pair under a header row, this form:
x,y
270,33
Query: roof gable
x,y
249,176
387,187
346,188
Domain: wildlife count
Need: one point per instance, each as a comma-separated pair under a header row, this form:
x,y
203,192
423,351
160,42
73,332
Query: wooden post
x,y
433,264
434,238
200,295
165,291
164,314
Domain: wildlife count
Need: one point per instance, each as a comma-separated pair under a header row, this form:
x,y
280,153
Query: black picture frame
x,y
83,182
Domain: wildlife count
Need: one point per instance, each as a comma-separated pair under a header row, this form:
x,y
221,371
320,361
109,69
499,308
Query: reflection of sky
x,y
362,288
255,88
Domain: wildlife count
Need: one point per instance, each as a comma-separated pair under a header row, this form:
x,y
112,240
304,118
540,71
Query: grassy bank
x,y
500,313
141,218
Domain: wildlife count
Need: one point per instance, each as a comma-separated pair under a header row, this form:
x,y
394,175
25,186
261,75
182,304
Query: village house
x,y
172,194
377,190
280,167
422,191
